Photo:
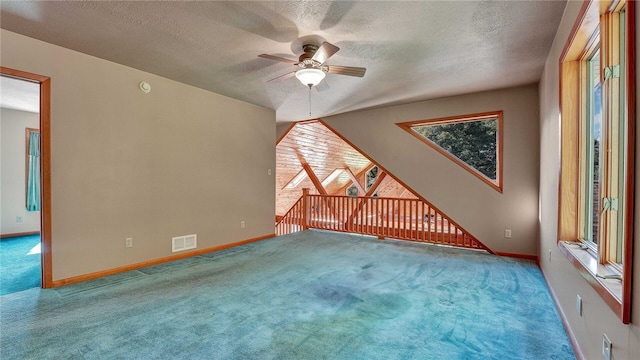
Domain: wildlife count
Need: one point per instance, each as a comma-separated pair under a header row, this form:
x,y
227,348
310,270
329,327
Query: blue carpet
x,y
310,295
19,263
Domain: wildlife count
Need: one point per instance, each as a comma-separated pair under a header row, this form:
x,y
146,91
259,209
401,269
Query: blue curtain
x,y
33,180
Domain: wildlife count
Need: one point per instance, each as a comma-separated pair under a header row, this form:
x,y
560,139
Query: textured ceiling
x,y
414,50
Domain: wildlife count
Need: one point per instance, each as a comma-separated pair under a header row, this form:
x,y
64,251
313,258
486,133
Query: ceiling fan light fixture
x,y
310,77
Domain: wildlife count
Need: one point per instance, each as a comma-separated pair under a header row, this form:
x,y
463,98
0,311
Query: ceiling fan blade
x,y
324,52
346,70
323,86
278,58
282,77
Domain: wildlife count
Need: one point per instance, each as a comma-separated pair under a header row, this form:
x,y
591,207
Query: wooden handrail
x,y
396,218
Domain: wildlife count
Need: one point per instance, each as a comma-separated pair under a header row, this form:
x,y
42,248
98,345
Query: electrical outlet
x,y
579,305
242,224
268,171
507,233
128,242
19,218
606,347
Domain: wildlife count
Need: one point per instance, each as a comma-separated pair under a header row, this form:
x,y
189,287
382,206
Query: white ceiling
x,y
413,50
19,95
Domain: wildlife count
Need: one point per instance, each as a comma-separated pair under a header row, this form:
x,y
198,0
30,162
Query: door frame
x,y
45,168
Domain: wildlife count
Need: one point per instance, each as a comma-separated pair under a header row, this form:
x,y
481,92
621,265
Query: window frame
x,y
588,156
498,115
368,186
610,279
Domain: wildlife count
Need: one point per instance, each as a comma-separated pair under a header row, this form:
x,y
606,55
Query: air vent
x,y
182,243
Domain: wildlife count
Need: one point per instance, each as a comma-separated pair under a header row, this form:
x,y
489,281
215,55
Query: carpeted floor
x,y
310,295
19,263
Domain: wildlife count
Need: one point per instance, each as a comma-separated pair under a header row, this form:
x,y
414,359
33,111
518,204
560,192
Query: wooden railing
x,y
293,220
396,218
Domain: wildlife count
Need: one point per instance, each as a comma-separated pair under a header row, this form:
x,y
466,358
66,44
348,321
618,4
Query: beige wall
x,y
176,161
13,170
563,277
476,206
281,128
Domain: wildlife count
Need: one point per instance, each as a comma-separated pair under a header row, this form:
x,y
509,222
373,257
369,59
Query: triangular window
x,y
372,176
352,191
472,141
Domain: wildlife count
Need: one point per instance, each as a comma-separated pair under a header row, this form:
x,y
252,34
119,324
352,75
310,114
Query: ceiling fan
x,y
311,64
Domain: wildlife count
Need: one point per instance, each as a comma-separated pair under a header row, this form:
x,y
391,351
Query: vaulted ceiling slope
x,y
312,145
413,50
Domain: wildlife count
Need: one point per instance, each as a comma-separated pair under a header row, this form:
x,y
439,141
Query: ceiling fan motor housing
x,y
305,61
309,51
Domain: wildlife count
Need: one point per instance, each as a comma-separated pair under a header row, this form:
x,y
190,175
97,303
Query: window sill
x,y
586,262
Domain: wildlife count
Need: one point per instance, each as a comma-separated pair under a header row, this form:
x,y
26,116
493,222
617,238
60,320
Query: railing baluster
x,y
309,212
441,231
399,219
420,221
414,220
329,215
343,216
417,220
319,212
407,219
361,223
421,207
385,208
404,217
314,211
411,221
320,215
365,210
389,216
325,215
334,215
340,212
347,227
370,212
374,216
397,224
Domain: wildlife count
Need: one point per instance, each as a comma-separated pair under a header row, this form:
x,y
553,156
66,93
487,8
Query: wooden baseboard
x,y
565,322
27,233
519,256
140,265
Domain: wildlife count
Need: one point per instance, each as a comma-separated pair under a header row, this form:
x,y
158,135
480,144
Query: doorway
x,y
36,162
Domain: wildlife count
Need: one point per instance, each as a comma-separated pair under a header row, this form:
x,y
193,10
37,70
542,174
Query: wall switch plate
x,y
606,347
242,224
268,171
128,242
507,233
19,218
549,255
579,305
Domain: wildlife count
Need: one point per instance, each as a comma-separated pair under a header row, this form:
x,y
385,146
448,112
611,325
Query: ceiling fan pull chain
x,y
309,100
